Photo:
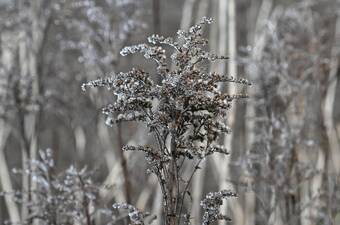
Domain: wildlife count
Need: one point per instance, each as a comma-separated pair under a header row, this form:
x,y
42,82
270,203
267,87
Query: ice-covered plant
x,y
186,112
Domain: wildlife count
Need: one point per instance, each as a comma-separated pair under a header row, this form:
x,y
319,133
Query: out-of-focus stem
x,y
5,180
156,8
123,164
187,12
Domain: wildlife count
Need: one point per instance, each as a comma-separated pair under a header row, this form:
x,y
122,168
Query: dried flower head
x,y
187,103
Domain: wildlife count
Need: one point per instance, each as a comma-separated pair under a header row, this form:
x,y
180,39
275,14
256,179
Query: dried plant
x,y
69,197
186,112
57,198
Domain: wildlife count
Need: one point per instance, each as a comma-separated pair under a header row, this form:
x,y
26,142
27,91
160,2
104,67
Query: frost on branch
x,y
135,216
211,205
133,91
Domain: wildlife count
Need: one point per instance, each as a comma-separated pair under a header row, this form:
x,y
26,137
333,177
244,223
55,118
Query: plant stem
x,y
123,164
